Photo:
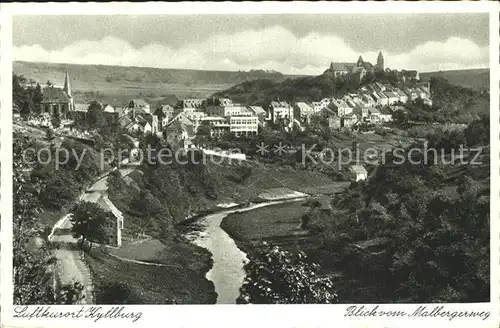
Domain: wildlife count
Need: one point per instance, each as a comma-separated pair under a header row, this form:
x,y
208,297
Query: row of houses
x,y
221,115
373,103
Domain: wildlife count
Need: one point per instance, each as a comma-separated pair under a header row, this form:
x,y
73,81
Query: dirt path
x,y
70,268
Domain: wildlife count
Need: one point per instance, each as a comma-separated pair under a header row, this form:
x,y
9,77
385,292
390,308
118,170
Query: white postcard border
x,y
252,315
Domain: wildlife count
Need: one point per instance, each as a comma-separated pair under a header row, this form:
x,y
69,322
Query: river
x,y
227,272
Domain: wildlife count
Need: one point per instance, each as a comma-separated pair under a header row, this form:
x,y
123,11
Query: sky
x,y
290,43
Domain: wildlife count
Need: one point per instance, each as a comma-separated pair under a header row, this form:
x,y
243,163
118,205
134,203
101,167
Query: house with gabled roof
x,y
180,131
392,97
340,107
281,110
359,171
385,114
302,110
114,223
403,97
349,120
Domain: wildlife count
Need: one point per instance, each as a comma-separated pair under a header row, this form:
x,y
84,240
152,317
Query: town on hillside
x,y
373,104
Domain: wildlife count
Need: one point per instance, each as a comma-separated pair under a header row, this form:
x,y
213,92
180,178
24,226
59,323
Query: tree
x,y
58,190
27,105
37,99
95,115
478,132
31,275
275,276
49,134
115,181
18,91
117,293
306,218
146,204
203,135
159,112
89,222
56,119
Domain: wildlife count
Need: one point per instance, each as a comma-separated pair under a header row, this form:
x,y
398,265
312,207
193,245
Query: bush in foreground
x,y
275,276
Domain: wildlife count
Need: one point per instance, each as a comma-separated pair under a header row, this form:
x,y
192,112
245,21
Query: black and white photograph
x,y
239,158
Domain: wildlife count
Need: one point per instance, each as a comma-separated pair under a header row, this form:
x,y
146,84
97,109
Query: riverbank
x,y
180,278
227,272
279,225
190,210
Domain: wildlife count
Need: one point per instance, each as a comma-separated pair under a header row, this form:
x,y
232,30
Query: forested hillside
x,y
476,79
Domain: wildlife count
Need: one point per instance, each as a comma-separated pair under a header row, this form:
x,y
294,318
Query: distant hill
x,y
477,79
118,84
304,88
314,88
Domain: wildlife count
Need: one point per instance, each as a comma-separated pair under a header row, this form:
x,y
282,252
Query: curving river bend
x,y
227,273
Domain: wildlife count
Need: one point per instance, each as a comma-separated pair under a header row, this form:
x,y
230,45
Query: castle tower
x,y
360,61
380,62
67,89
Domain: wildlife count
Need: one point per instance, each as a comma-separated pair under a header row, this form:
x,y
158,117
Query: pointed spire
x,y
67,86
360,60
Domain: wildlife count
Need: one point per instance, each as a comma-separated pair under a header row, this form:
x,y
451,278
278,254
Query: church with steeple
x,y
58,101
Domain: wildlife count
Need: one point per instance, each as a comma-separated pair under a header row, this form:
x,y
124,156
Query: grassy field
x,y
266,222
265,176
278,225
183,282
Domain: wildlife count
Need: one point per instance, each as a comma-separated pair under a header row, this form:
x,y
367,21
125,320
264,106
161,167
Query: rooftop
x,y
54,95
358,169
304,106
341,66
257,110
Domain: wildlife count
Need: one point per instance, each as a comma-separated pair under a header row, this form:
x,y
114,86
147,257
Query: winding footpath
x,y
70,268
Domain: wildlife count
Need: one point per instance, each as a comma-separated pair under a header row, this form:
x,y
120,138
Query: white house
x,y
108,109
114,224
374,115
145,127
318,106
412,94
392,97
360,171
385,114
340,107
244,125
281,110
303,110
403,97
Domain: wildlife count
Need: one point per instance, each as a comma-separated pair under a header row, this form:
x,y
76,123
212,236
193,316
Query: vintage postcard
x,y
288,164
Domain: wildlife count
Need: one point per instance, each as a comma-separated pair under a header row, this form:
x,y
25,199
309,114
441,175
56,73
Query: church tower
x,y
67,89
360,61
380,62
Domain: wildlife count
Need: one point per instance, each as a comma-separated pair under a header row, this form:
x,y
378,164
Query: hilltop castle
x,y
361,67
